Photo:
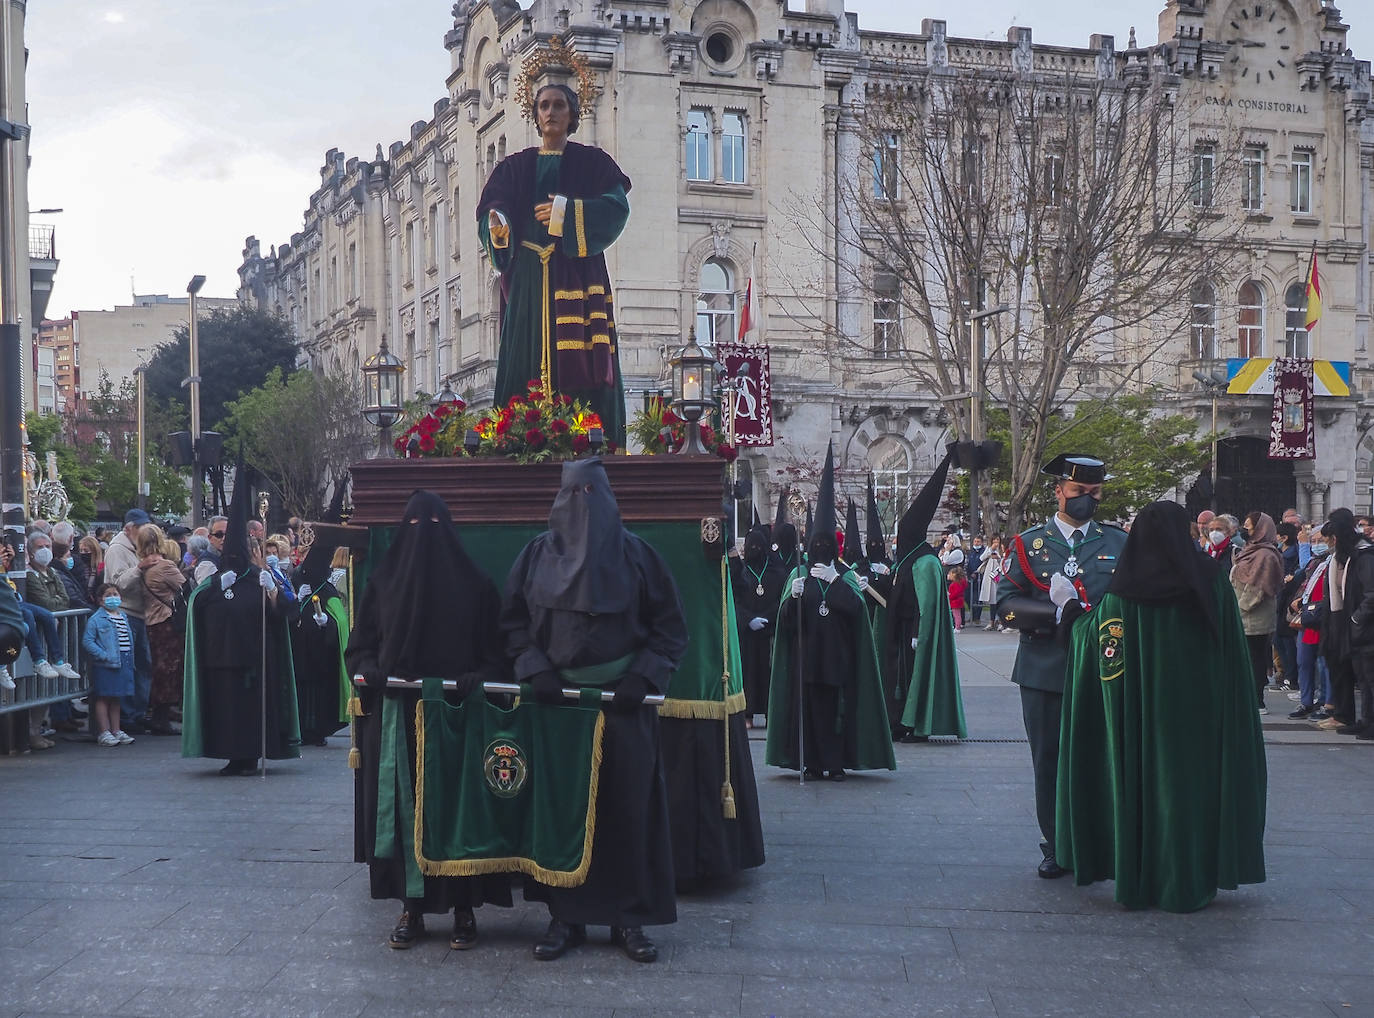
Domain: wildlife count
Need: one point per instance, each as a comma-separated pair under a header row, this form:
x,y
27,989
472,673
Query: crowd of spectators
x,y
124,593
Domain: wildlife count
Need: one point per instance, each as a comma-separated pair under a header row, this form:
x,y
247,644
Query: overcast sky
x,y
168,130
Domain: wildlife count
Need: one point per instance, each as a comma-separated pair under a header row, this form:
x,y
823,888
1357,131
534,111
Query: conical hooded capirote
x,y
915,522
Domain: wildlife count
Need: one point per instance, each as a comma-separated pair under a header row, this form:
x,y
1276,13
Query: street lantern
x,y
382,393
694,381
444,397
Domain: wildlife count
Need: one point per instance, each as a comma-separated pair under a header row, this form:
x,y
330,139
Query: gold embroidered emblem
x,y
1037,544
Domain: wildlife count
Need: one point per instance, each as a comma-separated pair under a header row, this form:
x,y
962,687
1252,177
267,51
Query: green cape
x,y
1162,773
334,607
192,742
934,703
867,738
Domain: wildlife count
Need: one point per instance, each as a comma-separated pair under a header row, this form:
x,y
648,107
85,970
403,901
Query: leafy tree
x,y
1148,454
301,431
238,347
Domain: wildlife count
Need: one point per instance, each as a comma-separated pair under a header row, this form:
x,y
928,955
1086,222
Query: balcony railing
x,y
42,242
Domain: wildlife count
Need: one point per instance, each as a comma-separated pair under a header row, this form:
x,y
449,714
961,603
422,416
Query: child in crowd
x,y
108,643
958,591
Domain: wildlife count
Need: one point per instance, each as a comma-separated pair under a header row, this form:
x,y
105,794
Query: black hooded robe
x,y
758,570
428,610
586,593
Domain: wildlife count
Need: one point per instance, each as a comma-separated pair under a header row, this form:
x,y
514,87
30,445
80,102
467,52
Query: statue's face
x,y
552,112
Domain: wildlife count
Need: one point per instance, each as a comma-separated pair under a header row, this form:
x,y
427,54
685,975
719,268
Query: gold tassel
x,y
355,711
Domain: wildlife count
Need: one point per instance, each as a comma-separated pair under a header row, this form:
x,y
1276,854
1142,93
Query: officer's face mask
x,y
1080,507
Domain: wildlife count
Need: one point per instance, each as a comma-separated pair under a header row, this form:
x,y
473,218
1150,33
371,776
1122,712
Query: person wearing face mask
x,y
833,677
1222,543
109,647
1071,557
1311,586
45,589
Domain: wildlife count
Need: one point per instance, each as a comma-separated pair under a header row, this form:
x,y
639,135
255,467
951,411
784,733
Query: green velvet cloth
x,y
506,791
1162,777
863,714
334,606
192,738
934,701
695,689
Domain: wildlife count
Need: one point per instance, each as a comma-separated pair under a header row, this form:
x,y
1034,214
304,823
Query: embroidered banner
x,y
1291,433
754,397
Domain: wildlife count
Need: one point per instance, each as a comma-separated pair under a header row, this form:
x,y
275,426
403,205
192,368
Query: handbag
x,y
177,604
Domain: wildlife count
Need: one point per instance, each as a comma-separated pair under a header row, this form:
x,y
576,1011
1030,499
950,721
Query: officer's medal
x,y
759,590
1071,567
824,610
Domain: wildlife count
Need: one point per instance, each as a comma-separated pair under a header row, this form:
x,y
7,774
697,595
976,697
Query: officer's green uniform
x,y
1024,603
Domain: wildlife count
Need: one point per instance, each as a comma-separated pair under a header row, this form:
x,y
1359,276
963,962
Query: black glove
x,y
548,688
374,680
629,695
466,684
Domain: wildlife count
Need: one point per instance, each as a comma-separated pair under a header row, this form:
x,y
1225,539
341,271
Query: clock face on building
x,y
1261,40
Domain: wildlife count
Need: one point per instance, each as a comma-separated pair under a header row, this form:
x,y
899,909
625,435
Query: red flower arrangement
x,y
660,430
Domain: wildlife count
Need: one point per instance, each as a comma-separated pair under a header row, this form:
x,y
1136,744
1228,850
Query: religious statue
x,y
545,218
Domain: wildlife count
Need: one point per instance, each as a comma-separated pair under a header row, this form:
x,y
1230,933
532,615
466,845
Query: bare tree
x,y
1088,206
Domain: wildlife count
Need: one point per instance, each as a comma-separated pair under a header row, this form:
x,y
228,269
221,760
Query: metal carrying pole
x,y
12,493
511,688
801,680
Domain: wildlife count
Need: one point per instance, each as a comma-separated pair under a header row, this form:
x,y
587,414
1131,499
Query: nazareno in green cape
x,y
1162,776
934,702
867,738
288,743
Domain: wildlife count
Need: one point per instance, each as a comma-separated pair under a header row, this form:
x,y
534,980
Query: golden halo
x,y
556,54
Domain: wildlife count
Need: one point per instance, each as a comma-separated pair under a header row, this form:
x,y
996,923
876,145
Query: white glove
x,y
826,572
227,579
265,580
337,575
913,643
798,585
880,568
304,592
1061,590
321,619
757,623
863,583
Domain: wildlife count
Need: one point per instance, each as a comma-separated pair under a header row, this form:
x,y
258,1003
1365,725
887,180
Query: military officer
x,y
1069,557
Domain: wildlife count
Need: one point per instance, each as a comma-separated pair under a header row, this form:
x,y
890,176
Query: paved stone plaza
x,y
135,883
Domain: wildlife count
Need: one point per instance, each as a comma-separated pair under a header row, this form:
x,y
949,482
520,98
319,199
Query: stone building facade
x,y
726,112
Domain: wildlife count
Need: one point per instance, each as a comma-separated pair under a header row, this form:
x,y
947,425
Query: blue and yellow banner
x,y
1254,376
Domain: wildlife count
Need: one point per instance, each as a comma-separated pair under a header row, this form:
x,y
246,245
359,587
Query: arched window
x,y
1204,334
1251,320
1295,321
716,303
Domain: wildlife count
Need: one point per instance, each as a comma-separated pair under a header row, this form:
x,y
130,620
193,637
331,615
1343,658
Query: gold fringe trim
x,y
702,710
509,864
355,707
355,759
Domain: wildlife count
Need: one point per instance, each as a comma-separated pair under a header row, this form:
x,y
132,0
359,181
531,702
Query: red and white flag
x,y
748,314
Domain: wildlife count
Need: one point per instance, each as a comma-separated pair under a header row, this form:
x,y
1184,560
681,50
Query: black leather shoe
x,y
464,930
837,775
409,928
1366,736
634,943
237,769
1050,869
557,940
911,737
814,773
1351,729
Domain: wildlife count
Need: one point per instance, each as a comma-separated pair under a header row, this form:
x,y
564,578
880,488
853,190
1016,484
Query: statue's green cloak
x,y
867,738
1162,774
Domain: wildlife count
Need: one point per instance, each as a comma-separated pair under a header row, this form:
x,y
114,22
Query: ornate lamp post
x,y
444,397
382,394
693,392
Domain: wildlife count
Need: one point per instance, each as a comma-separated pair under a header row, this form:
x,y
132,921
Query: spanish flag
x,y
1314,292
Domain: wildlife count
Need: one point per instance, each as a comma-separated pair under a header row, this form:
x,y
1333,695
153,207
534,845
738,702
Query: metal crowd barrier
x,y
32,691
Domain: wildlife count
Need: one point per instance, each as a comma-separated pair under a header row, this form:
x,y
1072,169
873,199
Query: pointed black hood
x,y
756,521
915,522
784,534
853,546
234,555
314,568
821,545
875,550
